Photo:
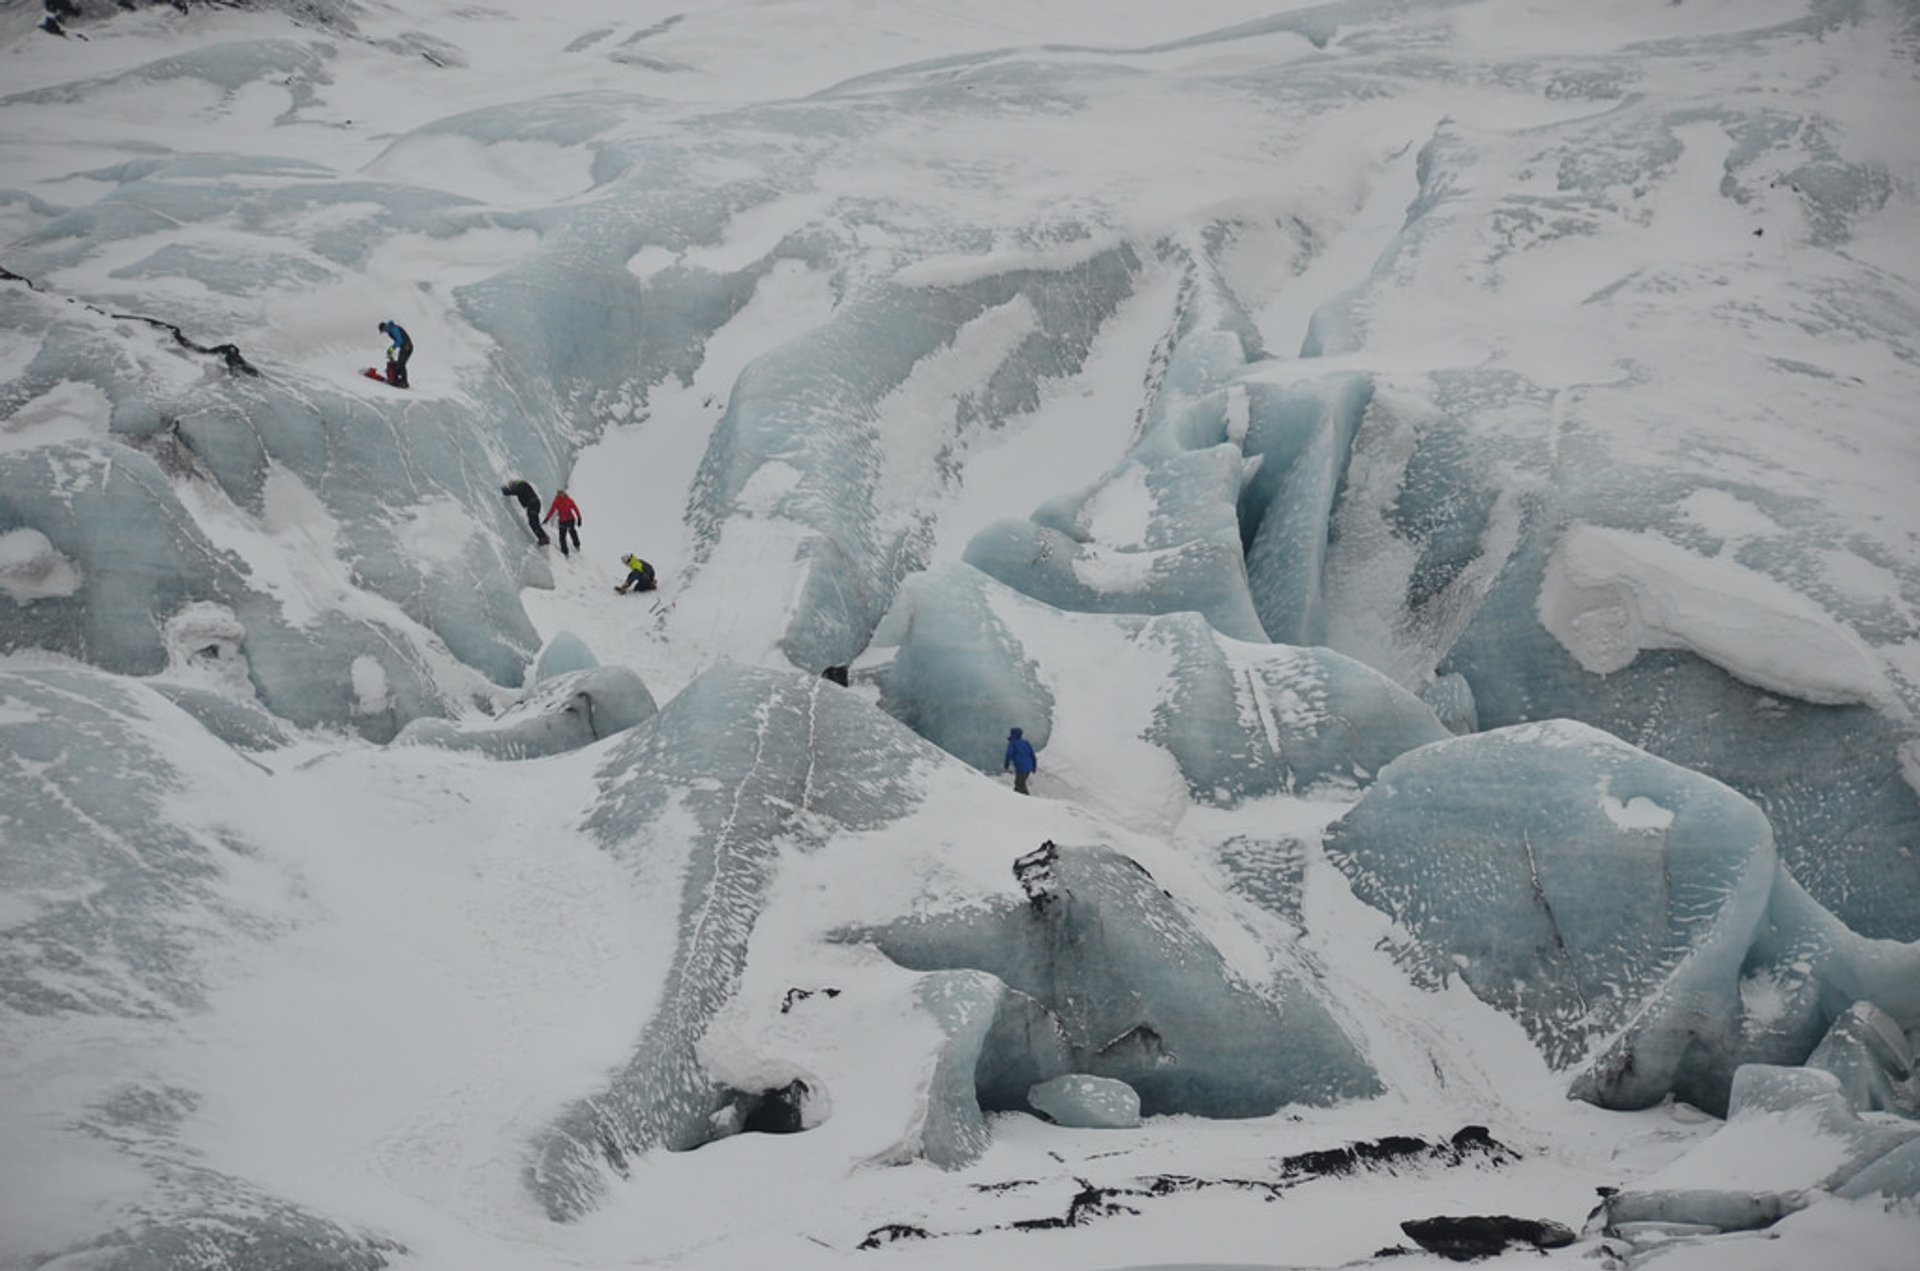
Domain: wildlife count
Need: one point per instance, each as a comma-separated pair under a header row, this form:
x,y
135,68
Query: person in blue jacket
x,y
397,355
1021,759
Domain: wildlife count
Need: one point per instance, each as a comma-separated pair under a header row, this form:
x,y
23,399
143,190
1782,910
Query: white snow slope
x,y
412,960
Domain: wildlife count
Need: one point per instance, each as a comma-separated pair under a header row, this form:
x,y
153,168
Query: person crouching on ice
x,y
397,355
1021,759
569,513
640,578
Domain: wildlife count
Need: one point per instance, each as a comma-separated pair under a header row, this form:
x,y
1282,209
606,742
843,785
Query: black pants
x,y
637,581
533,523
569,529
397,366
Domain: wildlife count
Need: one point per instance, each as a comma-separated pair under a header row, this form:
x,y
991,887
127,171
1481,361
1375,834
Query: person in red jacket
x,y
569,513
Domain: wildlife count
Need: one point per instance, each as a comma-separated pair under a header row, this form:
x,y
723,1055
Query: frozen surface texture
x,y
1140,995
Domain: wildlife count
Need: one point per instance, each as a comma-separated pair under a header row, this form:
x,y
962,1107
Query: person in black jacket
x,y
530,500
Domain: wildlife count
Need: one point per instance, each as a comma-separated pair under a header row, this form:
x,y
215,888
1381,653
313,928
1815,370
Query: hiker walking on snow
x,y
1020,758
398,354
640,576
530,500
569,513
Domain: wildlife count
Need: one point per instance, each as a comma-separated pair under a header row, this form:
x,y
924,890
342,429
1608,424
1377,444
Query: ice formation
x,y
1541,906
1138,992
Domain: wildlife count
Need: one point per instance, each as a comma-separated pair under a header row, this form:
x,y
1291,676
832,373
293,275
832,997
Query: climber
x,y
1020,758
530,500
640,577
569,514
397,355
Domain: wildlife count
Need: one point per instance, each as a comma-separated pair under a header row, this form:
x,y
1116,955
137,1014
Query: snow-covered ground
x,y
1657,262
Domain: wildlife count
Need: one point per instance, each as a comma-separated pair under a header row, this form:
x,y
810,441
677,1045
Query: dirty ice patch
x,y
31,568
1609,594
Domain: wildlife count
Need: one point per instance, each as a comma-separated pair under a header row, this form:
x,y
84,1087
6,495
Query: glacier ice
x,y
958,674
1543,908
1303,437
1542,905
799,412
1240,719
1140,994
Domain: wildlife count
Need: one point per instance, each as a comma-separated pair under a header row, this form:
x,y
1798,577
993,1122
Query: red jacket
x,y
566,507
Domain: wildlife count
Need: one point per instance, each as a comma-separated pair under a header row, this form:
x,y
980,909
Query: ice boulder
x,y
561,712
1139,993
1612,906
742,766
1081,1101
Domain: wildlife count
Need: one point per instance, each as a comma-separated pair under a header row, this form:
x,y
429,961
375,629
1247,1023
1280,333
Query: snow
x,y
417,958
1610,594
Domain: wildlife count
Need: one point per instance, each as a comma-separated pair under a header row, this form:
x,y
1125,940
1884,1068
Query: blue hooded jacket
x,y
397,333
1020,753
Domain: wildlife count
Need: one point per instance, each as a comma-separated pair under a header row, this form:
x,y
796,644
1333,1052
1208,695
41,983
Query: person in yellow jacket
x,y
640,576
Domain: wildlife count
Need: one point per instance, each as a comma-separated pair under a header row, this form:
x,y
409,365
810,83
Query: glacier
x,y
1432,480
